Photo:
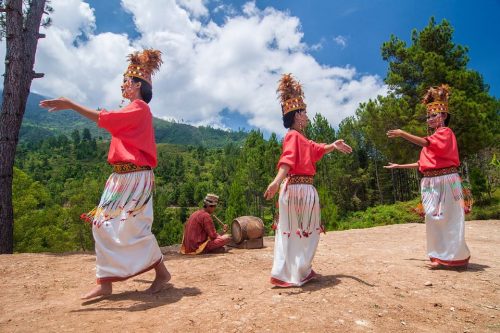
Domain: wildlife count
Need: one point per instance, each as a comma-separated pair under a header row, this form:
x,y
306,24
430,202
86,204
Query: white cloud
x,y
196,7
340,40
207,66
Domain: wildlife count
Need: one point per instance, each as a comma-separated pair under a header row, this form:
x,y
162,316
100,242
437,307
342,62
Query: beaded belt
x,y
300,180
129,167
440,172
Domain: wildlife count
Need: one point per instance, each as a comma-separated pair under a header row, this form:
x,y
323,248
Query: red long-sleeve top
x,y
132,134
442,151
198,229
300,154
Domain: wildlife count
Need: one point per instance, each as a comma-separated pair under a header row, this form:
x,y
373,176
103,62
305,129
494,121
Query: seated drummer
x,y
199,232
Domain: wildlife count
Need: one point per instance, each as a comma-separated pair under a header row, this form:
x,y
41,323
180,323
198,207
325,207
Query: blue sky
x,y
222,59
364,26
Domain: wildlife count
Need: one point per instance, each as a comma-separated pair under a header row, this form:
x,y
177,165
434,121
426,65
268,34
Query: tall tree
x,y
21,23
432,59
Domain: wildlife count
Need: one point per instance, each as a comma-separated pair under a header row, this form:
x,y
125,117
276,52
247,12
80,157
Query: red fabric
x,y
300,154
132,134
197,230
451,263
442,151
214,245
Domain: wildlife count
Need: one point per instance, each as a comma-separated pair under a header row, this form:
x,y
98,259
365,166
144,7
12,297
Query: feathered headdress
x,y
290,94
436,99
144,64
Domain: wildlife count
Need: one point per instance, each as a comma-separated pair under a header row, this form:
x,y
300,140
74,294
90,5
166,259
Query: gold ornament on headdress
x,y
144,64
436,99
291,94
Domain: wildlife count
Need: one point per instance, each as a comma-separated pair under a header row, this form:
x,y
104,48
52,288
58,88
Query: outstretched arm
x,y
338,145
275,184
407,136
401,166
63,103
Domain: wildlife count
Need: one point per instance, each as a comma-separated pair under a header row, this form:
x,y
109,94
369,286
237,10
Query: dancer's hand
x,y
58,104
225,228
271,190
394,133
391,166
342,147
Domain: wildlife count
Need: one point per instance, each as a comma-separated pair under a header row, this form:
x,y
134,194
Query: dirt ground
x,y
372,280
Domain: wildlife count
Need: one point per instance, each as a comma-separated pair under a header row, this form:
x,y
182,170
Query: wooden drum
x,y
246,227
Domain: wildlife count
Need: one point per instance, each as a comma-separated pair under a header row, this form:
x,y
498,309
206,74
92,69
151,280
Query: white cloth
x,y
442,200
124,243
299,213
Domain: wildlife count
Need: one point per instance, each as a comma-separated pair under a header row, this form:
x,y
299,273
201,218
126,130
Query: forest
x,y
59,176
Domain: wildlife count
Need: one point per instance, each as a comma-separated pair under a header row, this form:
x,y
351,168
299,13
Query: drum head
x,y
236,232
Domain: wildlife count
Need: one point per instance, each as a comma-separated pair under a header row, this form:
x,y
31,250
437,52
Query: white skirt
x,y
442,200
124,243
297,235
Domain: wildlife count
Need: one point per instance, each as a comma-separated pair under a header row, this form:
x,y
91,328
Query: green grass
x,y
487,209
400,212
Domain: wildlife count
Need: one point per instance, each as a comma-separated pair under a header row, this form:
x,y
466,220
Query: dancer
x,y
441,189
299,225
121,223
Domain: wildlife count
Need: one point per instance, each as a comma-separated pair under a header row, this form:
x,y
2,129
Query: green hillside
x,y
39,124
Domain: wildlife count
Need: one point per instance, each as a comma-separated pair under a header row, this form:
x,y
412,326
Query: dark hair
x,y
447,120
289,118
146,89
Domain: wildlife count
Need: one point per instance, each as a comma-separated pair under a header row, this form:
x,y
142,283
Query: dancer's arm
x,y
338,145
401,166
275,184
407,136
63,103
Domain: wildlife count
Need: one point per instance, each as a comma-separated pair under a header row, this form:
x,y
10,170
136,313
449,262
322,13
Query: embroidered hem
x,y
283,284
451,263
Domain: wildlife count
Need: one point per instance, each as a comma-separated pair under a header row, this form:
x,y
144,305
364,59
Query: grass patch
x,y
400,212
487,209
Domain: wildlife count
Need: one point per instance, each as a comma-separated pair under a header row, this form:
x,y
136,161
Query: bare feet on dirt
x,y
104,289
161,279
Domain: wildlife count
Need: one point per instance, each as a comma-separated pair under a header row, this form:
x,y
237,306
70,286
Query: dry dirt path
x,y
373,280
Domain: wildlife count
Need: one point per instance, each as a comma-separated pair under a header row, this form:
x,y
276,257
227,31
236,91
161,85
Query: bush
x,y
400,212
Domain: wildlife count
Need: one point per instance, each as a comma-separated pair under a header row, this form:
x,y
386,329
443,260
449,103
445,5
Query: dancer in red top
x,y
121,223
299,226
441,188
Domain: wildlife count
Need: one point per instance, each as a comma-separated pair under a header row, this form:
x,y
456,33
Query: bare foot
x,y
161,279
104,289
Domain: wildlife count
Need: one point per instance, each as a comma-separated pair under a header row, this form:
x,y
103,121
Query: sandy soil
x,y
373,280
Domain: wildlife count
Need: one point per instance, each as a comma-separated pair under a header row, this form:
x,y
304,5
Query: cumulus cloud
x,y
208,67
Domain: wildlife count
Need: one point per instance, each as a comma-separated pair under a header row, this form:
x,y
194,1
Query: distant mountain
x,y
38,124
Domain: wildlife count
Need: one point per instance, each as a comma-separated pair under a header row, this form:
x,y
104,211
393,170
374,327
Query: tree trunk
x,y
21,43
381,195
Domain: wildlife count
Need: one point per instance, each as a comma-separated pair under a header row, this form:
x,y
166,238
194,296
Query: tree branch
x,y
37,75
